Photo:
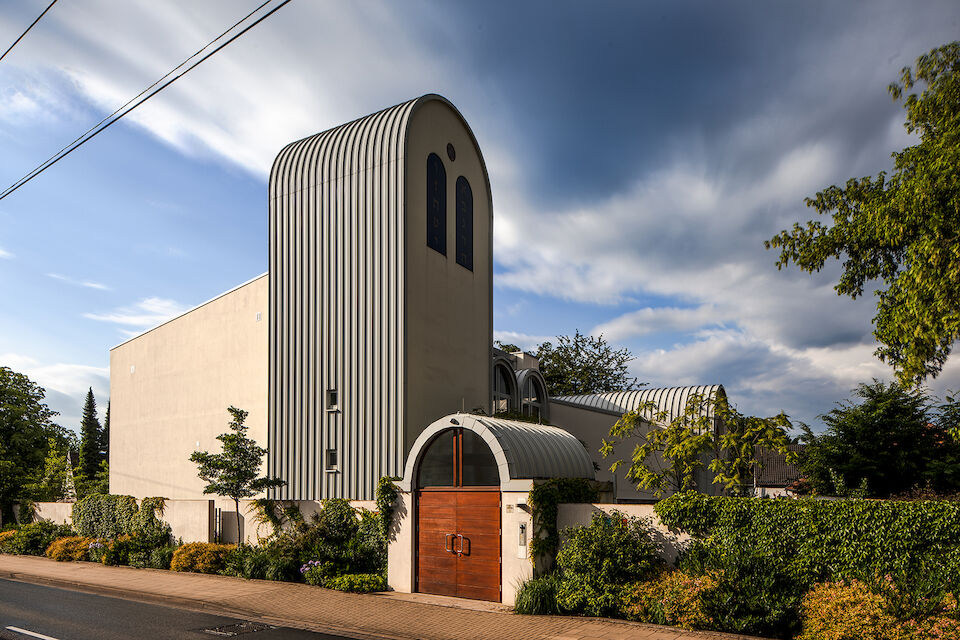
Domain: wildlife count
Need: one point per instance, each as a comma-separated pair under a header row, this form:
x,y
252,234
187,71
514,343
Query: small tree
x,y
670,453
584,364
235,472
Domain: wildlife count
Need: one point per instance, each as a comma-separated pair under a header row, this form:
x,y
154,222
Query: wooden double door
x,y
458,543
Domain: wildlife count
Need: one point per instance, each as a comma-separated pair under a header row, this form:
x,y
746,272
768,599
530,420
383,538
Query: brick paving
x,y
391,616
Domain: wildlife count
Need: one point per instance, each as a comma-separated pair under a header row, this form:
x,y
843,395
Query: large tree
x,y
235,472
584,364
890,441
90,438
902,230
26,425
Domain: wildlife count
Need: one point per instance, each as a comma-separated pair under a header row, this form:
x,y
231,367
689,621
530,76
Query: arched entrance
x,y
458,517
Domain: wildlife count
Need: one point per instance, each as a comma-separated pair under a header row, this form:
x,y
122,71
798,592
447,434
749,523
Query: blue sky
x,y
639,155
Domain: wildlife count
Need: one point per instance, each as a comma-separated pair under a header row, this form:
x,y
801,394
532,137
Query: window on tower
x,y
464,223
436,204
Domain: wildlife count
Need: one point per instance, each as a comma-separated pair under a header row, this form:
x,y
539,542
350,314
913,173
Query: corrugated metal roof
x,y
524,451
672,400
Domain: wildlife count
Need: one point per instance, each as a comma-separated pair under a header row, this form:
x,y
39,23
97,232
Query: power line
x,y
28,29
140,98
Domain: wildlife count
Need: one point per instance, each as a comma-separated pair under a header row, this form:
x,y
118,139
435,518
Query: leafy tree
x,y
235,472
584,364
55,483
509,347
25,426
90,437
668,453
903,230
890,442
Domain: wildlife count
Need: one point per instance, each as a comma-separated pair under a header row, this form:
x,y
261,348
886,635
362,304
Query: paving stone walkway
x,y
389,616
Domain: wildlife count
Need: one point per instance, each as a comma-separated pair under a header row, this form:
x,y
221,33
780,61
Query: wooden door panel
x,y
436,518
479,592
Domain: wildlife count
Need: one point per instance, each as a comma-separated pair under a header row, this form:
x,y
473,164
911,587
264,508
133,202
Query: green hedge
x,y
825,540
110,516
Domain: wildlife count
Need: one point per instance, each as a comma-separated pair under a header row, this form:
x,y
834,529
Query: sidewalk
x,y
392,616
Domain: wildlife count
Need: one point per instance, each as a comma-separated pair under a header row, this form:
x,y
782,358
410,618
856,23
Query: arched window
x,y
532,398
503,386
464,223
436,204
458,458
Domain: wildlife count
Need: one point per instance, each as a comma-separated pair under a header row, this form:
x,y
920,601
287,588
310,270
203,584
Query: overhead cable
x,y
145,95
28,29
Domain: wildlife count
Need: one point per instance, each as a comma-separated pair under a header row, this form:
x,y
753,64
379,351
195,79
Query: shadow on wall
x,y
669,544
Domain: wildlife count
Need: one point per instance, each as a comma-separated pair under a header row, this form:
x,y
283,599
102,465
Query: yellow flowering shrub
x,y
5,538
200,557
672,598
70,548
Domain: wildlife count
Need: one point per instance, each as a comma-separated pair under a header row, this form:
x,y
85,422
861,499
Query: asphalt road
x,y
29,611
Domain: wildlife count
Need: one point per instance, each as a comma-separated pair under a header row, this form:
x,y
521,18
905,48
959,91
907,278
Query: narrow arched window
x,y
464,223
502,389
458,458
436,204
533,398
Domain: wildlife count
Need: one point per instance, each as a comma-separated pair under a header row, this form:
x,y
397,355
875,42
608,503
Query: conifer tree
x,y
105,437
90,437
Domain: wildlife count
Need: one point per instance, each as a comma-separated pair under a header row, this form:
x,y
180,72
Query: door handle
x,y
447,545
460,550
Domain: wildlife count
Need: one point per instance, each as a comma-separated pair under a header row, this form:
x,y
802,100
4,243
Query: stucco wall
x,y
170,389
56,512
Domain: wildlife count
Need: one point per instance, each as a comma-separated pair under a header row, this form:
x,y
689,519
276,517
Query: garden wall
x,y
572,515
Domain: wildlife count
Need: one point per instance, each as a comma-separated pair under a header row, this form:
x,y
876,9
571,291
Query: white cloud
x,y
522,340
79,283
145,314
5,254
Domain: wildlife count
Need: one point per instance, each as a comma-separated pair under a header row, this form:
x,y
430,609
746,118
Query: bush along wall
x,y
766,555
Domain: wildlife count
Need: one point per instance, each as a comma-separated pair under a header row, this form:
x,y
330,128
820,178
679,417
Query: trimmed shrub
x,y
596,563
825,541
673,598
538,596
358,582
68,549
201,557
34,538
104,516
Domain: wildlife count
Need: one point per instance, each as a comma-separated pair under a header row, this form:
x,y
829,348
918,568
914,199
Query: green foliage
x,y
538,596
584,364
90,438
509,347
597,562
33,539
104,516
824,540
234,473
201,557
670,452
889,443
901,230
358,582
25,427
386,497
160,558
53,485
544,500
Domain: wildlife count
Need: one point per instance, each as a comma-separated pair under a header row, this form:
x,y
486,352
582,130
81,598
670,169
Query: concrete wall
x,y
669,543
170,389
591,427
56,512
516,565
400,549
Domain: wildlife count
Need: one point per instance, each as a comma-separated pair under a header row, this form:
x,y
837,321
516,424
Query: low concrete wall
x,y
190,520
668,543
56,512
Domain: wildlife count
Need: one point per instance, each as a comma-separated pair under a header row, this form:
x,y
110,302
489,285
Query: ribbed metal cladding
x,y
672,400
336,315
